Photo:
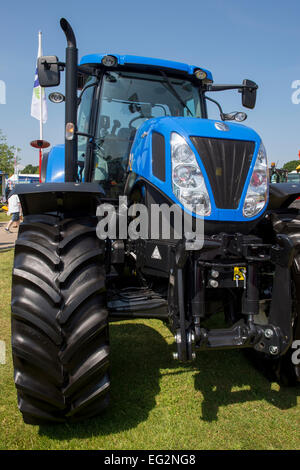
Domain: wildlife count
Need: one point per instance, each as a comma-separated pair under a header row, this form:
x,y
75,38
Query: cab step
x,y
133,302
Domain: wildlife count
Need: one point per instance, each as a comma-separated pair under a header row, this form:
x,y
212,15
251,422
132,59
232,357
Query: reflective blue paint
x,y
56,165
133,59
141,157
140,160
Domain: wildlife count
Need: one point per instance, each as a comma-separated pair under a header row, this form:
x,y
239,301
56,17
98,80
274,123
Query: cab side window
x,y
83,124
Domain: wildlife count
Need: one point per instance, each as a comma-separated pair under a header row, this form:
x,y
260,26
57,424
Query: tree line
x,y
8,155
9,158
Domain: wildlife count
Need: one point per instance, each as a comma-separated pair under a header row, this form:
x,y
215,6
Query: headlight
x,y
187,179
257,193
187,176
182,153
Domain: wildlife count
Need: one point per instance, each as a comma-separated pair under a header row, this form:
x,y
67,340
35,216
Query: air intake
x,y
227,164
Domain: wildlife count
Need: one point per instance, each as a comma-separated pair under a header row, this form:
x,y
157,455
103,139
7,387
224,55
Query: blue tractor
x,y
100,238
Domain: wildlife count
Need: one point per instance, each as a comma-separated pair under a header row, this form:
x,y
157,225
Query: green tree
x,y
7,155
31,170
292,165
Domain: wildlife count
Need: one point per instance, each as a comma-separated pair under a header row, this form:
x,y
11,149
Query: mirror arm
x,y
84,134
47,65
230,87
222,115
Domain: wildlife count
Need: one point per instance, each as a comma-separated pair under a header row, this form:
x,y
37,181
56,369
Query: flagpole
x,y
41,106
15,167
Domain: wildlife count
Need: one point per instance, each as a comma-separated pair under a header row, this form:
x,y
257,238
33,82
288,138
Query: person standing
x,y
14,208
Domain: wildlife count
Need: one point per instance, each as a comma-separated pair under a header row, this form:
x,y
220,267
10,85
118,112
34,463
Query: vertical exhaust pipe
x,y
71,100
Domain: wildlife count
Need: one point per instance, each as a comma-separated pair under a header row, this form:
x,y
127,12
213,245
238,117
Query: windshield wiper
x,y
174,92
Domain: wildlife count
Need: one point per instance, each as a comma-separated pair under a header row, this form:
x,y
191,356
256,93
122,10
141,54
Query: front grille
x,y
227,163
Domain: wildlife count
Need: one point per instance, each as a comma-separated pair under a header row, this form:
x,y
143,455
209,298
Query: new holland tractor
x,y
138,137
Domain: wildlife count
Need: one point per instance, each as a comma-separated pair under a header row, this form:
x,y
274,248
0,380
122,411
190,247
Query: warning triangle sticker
x,y
156,253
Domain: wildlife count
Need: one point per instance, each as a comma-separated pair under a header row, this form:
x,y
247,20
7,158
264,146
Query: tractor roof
x,y
144,61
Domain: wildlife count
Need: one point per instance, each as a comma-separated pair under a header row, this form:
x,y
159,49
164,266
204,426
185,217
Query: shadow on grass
x,y
138,354
228,377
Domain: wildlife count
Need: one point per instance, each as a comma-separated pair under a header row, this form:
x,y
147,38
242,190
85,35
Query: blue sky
x,y
235,39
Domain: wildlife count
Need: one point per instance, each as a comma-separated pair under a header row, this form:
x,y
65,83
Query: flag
x,y
39,106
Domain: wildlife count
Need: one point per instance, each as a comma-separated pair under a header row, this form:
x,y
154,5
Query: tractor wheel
x,y
60,341
283,369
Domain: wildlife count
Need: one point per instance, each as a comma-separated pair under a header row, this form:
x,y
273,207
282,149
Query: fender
x,y
282,195
53,165
74,198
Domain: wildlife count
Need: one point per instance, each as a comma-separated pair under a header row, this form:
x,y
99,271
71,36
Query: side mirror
x,y
48,71
249,94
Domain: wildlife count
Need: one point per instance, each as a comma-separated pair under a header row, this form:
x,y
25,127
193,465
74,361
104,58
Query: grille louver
x,y
227,163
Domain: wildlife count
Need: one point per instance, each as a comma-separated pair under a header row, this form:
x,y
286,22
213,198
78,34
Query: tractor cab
x,y
116,101
117,95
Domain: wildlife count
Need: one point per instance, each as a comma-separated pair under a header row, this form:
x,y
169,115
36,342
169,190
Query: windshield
x,y
127,100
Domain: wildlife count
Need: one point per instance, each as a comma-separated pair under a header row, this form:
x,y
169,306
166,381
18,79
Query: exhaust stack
x,y
71,101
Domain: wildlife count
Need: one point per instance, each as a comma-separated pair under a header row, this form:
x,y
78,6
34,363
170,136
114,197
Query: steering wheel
x,y
99,149
135,119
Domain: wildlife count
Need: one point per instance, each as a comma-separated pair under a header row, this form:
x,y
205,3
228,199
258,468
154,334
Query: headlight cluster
x,y
187,179
257,193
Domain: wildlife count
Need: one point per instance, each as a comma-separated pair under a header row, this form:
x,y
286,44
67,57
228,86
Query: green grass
x,y
218,402
4,217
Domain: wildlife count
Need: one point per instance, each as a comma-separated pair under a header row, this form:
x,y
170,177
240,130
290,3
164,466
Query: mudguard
x,y
283,194
73,198
53,165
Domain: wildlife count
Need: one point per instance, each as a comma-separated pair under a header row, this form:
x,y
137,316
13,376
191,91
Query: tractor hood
x,y
226,154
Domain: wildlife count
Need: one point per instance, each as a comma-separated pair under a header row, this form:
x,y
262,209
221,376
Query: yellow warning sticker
x,y
239,273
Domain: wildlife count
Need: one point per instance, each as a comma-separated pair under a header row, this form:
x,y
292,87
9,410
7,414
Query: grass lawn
x,y
218,402
4,217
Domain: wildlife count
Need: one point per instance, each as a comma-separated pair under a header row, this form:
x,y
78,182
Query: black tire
x,y
288,222
282,369
60,340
